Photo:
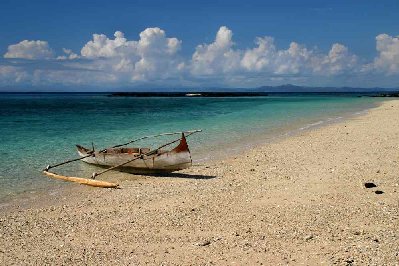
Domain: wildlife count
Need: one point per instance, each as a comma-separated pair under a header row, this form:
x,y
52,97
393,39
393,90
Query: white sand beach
x,y
298,200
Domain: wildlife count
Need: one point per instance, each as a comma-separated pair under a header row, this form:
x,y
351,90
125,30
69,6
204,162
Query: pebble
x,y
308,237
203,243
370,185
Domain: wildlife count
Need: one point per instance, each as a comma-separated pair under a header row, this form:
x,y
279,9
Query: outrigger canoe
x,y
130,159
158,161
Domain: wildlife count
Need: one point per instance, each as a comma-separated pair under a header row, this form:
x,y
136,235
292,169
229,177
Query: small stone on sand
x,y
370,185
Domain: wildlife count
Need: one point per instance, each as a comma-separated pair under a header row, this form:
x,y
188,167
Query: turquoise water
x,y
41,129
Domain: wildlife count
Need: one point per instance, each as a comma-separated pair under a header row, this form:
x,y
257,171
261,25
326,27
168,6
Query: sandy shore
x,y
299,200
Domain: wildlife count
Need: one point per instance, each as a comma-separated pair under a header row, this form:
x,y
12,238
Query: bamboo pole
x,y
83,181
190,132
69,161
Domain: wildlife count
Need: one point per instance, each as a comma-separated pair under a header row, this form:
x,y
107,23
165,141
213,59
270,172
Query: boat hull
x,y
176,159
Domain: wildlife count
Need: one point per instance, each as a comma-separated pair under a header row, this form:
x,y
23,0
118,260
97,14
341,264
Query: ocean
x,y
40,129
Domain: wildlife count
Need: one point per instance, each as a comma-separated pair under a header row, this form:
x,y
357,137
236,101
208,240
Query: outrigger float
x,y
131,160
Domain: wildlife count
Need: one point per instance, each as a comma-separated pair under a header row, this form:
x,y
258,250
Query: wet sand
x,y
298,200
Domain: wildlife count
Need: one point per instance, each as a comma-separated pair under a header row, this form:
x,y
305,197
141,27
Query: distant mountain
x,y
295,88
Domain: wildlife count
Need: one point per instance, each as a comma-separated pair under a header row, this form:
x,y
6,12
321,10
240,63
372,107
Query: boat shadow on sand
x,y
183,175
127,173
170,175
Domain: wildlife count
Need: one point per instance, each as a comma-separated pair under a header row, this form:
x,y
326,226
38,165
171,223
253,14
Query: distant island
x,y
295,88
260,91
393,94
188,94
206,91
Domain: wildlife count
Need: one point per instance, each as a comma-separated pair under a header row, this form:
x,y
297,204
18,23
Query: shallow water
x,y
41,129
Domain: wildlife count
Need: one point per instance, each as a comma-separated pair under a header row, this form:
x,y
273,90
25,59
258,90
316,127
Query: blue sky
x,y
315,43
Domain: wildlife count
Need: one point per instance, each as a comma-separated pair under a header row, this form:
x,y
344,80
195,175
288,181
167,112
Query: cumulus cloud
x,y
102,46
388,54
30,50
217,57
338,61
157,55
294,60
154,58
220,57
267,58
261,57
102,60
69,54
297,59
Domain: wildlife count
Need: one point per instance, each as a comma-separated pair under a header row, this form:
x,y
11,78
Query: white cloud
x,y
338,61
261,57
218,57
152,56
387,60
70,78
69,54
102,46
157,55
297,59
12,75
30,50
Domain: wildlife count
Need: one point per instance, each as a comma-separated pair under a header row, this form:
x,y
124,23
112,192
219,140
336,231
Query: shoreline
x,y
281,133
300,199
61,190
241,118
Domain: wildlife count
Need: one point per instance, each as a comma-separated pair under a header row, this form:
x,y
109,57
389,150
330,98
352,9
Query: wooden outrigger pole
x,y
105,184
83,181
